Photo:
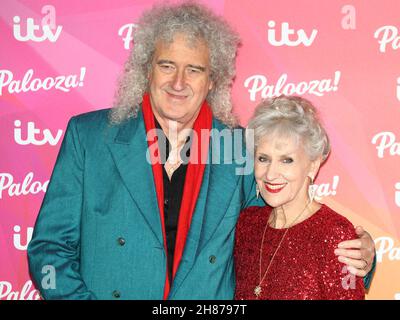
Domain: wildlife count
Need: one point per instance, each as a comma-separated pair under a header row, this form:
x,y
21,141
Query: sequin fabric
x,y
304,268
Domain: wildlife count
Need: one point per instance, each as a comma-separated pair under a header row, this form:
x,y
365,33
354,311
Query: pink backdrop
x,y
61,58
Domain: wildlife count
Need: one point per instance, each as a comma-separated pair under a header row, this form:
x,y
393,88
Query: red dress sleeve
x,y
339,283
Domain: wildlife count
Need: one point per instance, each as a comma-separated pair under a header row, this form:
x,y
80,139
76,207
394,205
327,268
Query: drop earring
x,y
257,191
311,190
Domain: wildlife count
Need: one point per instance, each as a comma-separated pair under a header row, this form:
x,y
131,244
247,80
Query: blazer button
x,y
116,294
212,259
121,241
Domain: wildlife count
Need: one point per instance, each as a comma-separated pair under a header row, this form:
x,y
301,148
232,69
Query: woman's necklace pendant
x,y
257,291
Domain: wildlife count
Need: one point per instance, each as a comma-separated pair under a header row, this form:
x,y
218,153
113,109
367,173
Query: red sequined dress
x,y
305,267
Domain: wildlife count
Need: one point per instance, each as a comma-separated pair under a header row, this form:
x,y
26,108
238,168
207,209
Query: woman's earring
x,y
311,190
257,191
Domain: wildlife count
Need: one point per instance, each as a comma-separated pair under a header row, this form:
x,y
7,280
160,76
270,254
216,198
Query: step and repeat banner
x,y
61,58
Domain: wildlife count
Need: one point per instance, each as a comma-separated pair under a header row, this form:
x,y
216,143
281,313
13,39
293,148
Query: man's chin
x,y
175,117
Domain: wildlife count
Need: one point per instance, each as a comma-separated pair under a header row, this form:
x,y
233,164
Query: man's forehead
x,y
189,41
182,50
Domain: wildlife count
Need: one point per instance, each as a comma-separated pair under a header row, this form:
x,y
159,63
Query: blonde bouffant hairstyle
x,y
289,116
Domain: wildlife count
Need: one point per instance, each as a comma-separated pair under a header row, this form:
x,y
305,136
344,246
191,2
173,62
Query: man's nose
x,y
178,83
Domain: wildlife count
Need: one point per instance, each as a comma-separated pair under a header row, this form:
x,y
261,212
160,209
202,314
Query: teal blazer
x,y
99,225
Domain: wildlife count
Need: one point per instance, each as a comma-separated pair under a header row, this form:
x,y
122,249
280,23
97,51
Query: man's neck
x,y
177,135
175,131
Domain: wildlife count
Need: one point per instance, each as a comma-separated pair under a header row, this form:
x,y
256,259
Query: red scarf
x,y
193,179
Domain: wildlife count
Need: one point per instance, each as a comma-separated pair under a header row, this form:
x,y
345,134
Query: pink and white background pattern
x,y
61,58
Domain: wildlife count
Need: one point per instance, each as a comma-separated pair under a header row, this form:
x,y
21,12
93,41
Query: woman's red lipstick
x,y
275,188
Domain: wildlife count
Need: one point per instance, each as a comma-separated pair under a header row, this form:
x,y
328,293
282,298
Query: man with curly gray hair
x,y
161,24
135,209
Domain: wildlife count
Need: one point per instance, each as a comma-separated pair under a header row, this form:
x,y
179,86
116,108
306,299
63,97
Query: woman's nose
x,y
273,171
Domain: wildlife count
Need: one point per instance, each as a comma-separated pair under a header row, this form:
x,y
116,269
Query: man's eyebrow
x,y
201,68
194,66
162,61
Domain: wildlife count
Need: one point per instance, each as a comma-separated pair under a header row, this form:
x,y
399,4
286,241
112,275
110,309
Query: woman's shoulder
x,y
332,216
334,225
253,214
250,226
254,211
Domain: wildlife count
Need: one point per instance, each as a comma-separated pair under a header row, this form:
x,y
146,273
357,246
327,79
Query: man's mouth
x,y
177,96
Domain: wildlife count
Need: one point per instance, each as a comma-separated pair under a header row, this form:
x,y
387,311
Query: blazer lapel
x,y
214,198
129,154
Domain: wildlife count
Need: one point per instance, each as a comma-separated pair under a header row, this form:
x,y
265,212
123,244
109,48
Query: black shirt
x,y
173,192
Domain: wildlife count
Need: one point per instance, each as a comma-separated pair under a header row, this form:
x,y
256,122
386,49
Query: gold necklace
x,y
171,168
174,160
257,289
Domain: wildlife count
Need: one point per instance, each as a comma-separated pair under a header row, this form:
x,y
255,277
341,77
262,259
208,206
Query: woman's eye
x,y
288,160
262,159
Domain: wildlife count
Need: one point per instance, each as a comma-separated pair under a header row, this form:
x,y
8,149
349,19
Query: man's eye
x,y
166,67
192,70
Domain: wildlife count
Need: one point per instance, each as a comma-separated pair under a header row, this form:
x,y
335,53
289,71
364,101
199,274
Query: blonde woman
x,y
285,250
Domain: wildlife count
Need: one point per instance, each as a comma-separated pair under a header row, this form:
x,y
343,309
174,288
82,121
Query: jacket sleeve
x,y
249,190
370,275
54,251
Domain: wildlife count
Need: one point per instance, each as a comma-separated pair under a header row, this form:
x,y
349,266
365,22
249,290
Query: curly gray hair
x,y
162,23
289,116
